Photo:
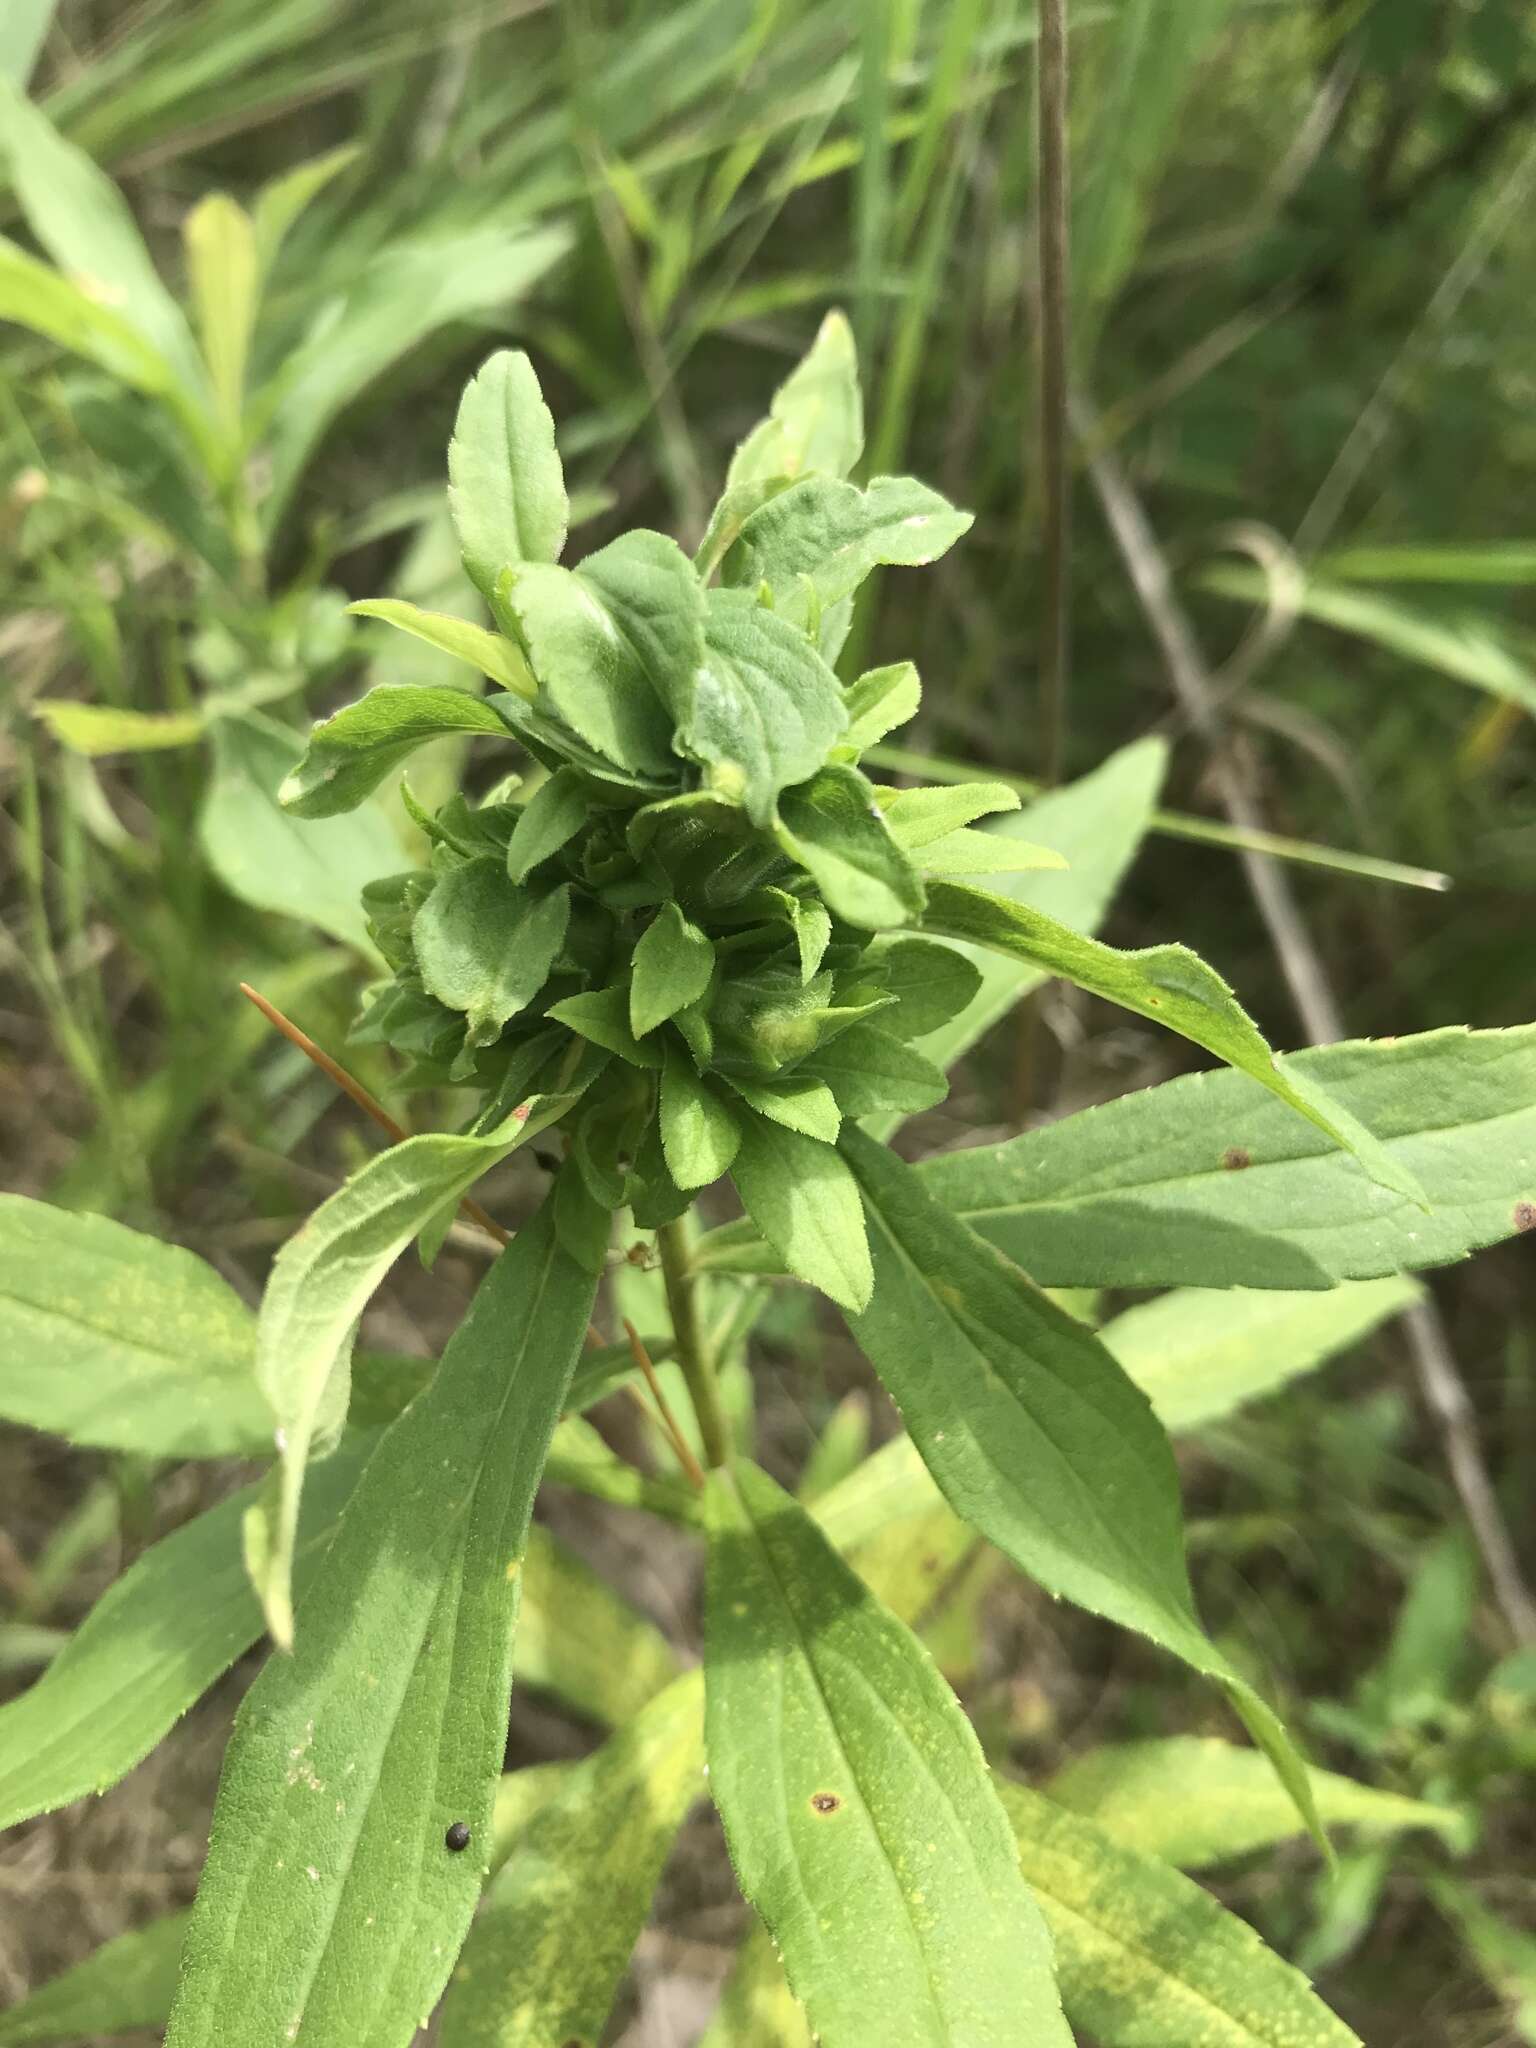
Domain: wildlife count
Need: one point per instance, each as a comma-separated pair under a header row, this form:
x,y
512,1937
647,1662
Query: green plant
x,y
706,944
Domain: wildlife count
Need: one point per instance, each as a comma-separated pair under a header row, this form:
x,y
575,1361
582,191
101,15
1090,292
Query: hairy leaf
x,y
763,708
673,963
815,543
831,826
870,1070
550,819
351,1758
804,1200
491,653
485,945
879,701
861,1820
350,753
815,424
699,1133
506,488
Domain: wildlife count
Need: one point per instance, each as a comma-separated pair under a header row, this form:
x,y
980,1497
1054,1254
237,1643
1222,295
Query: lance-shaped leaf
x,y
1172,986
699,1133
815,424
550,819
879,701
350,753
485,945
984,853
330,1903
1194,1800
116,1340
1199,1353
1208,1180
506,488
499,658
1145,1958
919,816
1034,1434
816,542
833,828
802,1197
36,296
673,963
124,1985
151,1646
321,1281
860,1816
870,1070
546,1955
763,708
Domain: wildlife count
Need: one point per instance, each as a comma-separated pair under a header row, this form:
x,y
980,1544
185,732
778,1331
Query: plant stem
x,y
692,1348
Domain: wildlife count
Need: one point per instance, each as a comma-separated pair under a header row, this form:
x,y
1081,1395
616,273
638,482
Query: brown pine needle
x,y
675,1437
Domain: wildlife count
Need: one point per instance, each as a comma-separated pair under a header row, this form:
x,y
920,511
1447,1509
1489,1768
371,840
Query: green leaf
x,y
583,1224
1097,824
223,276
879,701
1145,1957
408,291
125,1984
98,729
861,1820
1210,1180
1034,1434
804,1200
81,219
350,753
796,1102
1193,1800
589,674
869,1069
547,1953
506,488
490,653
351,1758
815,424
757,2008
155,1641
22,36
35,296
673,964
313,869
1172,986
831,826
1198,1354
932,984
283,200
816,542
320,1283
485,945
762,710
984,853
550,819
655,604
919,816
699,1135
602,1016
577,1639
1468,650
118,1341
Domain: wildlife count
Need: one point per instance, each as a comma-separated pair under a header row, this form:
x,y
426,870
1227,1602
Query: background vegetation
x,y
1304,251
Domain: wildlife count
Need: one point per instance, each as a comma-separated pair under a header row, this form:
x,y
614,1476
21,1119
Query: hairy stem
x,y
692,1346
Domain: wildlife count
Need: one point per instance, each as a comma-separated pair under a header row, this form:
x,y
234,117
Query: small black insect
x,y
457,1836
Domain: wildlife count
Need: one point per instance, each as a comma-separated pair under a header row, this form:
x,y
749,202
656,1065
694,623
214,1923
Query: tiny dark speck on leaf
x,y
1525,1215
1235,1158
825,1802
457,1836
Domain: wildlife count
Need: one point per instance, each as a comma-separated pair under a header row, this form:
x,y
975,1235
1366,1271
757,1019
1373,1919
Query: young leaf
x,y
1172,986
579,1640
816,542
919,816
655,604
506,488
589,673
486,945
115,1340
798,1103
1034,1434
125,1984
222,273
699,1135
815,424
350,753
878,702
762,710
1145,1957
984,853
313,869
861,1820
493,655
832,827
583,1224
672,968
550,819
869,1070
151,1647
546,1955
804,1200
283,200
932,985
350,1759
1194,1800
1199,1354
321,1281
1210,1181
35,296
602,1016
95,730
